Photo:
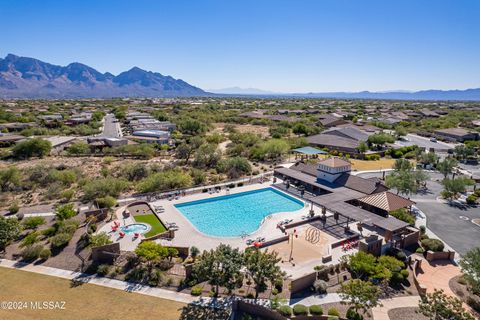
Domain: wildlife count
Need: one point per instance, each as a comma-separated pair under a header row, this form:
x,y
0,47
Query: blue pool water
x,y
136,227
237,214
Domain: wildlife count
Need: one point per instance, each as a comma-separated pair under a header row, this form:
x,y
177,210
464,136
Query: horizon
x,y
333,46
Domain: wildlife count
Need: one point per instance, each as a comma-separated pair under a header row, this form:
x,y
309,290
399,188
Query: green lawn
x,y
152,220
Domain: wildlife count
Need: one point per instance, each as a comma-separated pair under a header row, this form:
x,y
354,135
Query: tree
x,y
194,251
9,230
207,156
192,126
439,306
402,165
221,267
362,147
446,166
362,264
35,147
165,180
234,167
380,139
262,267
65,212
272,149
400,131
150,252
402,214
470,264
403,181
360,295
453,187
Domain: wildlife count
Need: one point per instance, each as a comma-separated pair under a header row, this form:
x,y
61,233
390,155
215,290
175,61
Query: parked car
x,y
433,139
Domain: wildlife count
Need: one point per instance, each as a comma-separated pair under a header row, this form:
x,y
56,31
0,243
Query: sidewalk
x,y
101,281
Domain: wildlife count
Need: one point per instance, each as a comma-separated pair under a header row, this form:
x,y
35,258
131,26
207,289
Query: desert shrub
x,y
472,199
65,212
435,245
300,310
423,229
67,226
60,240
45,254
353,315
333,312
13,208
49,232
316,310
285,311
420,250
404,273
320,286
32,252
99,239
196,291
103,269
30,239
33,222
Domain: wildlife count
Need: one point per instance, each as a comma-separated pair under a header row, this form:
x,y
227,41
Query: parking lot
x,y
423,142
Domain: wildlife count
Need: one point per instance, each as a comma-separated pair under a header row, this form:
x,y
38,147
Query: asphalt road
x,y
111,129
450,222
424,142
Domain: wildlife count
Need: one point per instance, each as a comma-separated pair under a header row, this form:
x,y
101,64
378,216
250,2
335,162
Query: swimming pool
x,y
135,228
237,214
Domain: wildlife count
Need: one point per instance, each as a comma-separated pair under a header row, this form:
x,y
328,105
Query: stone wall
x,y
422,290
445,255
302,283
106,254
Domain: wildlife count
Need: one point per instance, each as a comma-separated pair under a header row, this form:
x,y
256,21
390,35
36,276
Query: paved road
x,y
424,142
111,129
451,223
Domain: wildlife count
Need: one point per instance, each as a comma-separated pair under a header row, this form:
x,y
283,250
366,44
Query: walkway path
x,y
101,281
381,313
317,299
437,274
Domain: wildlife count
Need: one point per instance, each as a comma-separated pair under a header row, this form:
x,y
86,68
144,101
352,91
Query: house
x,y
334,142
151,136
455,134
329,121
349,132
7,139
60,143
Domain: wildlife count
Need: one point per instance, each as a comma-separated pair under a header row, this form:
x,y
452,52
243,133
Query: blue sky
x,y
283,46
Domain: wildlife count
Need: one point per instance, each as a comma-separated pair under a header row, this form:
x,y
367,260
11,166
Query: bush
x,y
99,239
67,226
45,254
320,286
397,253
333,312
13,208
300,310
353,315
33,222
316,310
404,273
420,250
472,199
196,291
32,252
65,212
60,240
423,229
285,311
435,245
49,232
103,269
30,239
31,148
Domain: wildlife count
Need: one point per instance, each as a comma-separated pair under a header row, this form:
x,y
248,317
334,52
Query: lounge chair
x,y
249,242
136,235
121,234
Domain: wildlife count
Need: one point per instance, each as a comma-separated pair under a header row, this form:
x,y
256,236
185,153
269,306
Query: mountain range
x,y
22,77
29,78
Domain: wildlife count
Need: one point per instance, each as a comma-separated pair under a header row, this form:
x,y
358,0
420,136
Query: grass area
x,y
361,165
152,220
84,302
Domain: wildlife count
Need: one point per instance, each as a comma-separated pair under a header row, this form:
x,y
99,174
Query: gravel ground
x,y
406,313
